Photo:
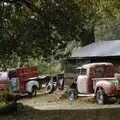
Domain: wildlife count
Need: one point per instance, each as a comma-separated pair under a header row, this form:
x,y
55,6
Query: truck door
x,y
13,82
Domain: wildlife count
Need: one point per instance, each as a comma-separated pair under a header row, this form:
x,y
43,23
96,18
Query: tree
x,y
49,27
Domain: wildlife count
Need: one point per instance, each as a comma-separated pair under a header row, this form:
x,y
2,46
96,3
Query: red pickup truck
x,y
101,79
20,80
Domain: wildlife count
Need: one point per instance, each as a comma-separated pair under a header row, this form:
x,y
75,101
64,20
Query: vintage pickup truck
x,y
101,79
17,81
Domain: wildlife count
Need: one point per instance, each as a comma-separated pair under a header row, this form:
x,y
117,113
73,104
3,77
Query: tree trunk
x,y
87,36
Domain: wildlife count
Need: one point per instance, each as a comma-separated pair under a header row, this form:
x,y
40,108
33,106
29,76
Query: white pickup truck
x,y
99,79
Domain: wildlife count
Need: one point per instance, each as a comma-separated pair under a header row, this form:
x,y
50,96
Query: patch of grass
x,y
71,102
85,99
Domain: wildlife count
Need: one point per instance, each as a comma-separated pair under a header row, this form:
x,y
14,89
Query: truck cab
x,y
94,70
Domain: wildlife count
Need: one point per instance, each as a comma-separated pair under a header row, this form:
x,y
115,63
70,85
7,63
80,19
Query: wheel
x,y
101,98
61,84
34,91
49,88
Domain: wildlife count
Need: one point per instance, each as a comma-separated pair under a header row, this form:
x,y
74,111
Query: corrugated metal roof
x,y
99,49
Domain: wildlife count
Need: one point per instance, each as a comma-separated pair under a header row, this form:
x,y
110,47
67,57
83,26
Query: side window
x,y
100,70
12,74
109,71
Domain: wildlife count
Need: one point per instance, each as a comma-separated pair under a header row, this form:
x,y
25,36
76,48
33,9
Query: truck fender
x,y
31,84
108,87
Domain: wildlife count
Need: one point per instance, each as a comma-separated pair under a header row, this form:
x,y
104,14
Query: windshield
x,y
83,71
12,74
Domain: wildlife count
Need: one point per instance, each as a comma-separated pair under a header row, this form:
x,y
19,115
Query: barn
x,y
103,51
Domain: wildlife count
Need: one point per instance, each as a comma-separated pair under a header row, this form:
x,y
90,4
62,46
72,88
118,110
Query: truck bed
x,y
98,79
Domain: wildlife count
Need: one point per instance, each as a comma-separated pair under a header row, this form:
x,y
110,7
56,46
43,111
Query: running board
x,y
86,95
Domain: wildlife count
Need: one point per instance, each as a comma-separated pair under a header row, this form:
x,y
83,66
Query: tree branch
x,y
27,3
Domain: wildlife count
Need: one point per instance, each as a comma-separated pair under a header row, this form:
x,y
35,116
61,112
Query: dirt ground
x,y
59,101
55,106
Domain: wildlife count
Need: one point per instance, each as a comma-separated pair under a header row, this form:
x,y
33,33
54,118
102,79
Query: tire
x,y
34,92
101,97
61,84
49,88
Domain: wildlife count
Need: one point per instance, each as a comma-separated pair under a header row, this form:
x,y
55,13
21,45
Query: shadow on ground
x,y
19,112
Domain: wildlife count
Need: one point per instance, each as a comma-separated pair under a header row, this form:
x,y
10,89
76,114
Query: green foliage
x,y
108,9
50,28
3,100
45,67
106,31
40,28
